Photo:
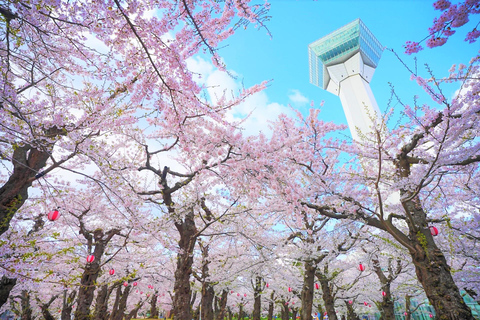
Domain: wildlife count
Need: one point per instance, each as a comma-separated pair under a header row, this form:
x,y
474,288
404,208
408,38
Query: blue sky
x,y
254,56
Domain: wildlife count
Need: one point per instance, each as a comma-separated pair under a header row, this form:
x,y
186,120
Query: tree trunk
x,y
222,305
119,312
284,311
6,285
407,307
25,305
44,307
206,309
92,270
271,306
133,313
240,312
13,194
257,297
294,313
386,307
101,303
308,290
351,315
153,306
431,267
188,237
327,296
118,295
87,289
208,294
230,314
68,302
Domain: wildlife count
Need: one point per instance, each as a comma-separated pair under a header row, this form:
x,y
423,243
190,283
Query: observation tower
x,y
343,63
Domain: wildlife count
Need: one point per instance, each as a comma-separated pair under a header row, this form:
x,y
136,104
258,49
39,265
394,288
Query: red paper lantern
x,y
369,305
293,302
231,291
286,304
317,286
90,258
112,272
125,284
365,303
238,294
430,315
384,293
350,301
148,296
433,231
405,313
141,292
135,284
267,285
245,295
361,267
289,289
325,313
53,215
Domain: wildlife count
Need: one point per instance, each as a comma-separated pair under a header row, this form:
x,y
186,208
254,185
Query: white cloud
x,y
297,98
256,111
200,68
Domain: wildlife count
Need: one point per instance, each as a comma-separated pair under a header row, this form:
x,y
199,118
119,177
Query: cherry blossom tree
x,y
413,161
453,16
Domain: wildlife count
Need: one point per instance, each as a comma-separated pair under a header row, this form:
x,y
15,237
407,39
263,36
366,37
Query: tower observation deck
x,y
343,63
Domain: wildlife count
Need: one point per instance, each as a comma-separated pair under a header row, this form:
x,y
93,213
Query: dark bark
x,y
222,304
207,302
27,162
351,314
133,313
431,267
271,306
240,312
327,293
119,312
67,305
294,313
386,307
26,306
25,310
230,314
208,294
44,307
407,307
92,270
308,290
257,301
101,302
284,313
6,285
153,306
188,237
116,303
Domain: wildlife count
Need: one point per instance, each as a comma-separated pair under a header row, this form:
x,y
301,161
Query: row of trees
x,y
102,121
